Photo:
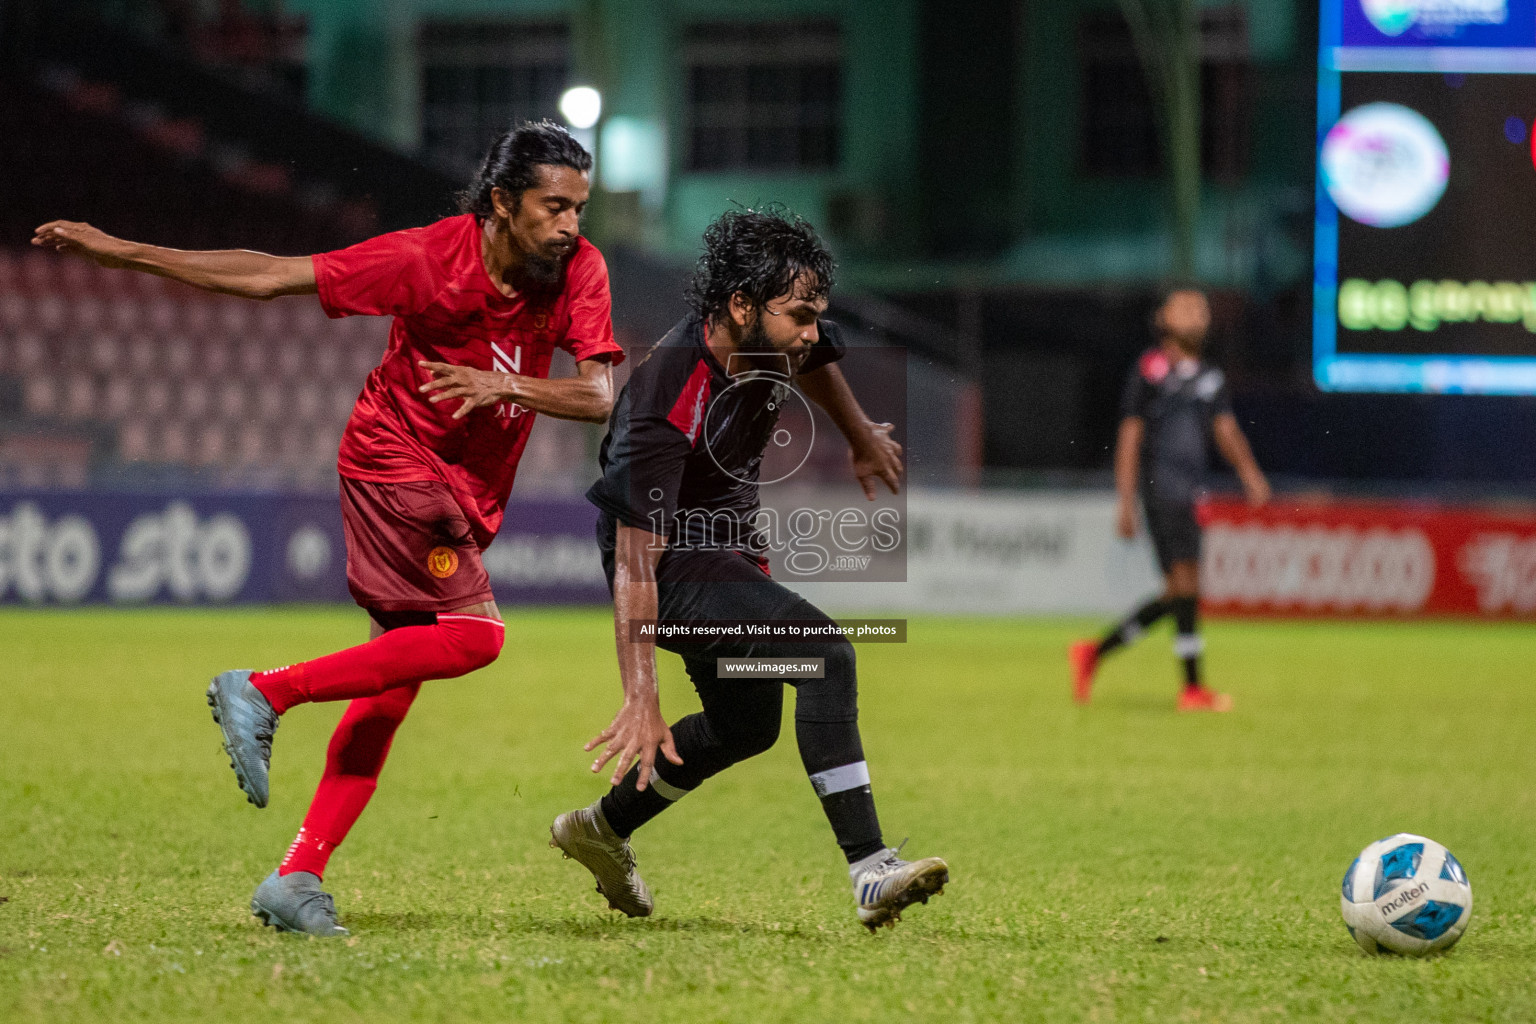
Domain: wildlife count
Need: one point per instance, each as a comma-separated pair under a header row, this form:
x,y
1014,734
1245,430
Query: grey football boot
x,y
247,722
884,885
585,837
295,903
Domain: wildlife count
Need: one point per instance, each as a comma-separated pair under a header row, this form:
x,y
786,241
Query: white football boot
x,y
585,837
884,885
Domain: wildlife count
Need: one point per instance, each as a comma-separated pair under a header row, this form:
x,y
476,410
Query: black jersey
x,y
1178,402
686,440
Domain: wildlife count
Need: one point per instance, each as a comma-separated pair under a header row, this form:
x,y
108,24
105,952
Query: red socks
x,y
411,654
381,678
352,765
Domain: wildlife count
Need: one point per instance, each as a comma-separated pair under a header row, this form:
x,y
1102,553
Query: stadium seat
x,y
161,315
86,314
255,359
80,394
144,356
216,358
180,357
39,397
305,402
133,441
15,310
118,398
195,400
106,353
272,402
210,446
324,361
343,397
174,442
155,398
28,352
251,445
49,313
232,400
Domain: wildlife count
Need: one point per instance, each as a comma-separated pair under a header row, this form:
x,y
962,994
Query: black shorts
x,y
714,586
1174,529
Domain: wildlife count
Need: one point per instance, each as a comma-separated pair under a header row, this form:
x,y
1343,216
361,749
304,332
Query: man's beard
x,y
762,356
544,271
756,339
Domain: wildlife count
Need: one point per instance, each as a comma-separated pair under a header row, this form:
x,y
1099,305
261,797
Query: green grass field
x,y
1109,864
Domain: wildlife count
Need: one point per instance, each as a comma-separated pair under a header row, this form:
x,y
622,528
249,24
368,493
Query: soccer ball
x,y
1406,894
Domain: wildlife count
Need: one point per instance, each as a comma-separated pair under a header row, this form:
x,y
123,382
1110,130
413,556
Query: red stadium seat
x,y
118,398
174,443
50,313
210,445
155,398
324,360
343,398
39,397
272,402
28,352
133,442
15,311
251,445
306,402
232,400
80,395
106,353
125,313
161,315
255,358
179,357
144,357
195,400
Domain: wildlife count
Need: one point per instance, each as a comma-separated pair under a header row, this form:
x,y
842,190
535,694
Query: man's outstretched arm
x,y
638,730
251,275
874,454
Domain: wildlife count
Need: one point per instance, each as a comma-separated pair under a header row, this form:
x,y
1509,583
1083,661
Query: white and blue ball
x,y
1406,894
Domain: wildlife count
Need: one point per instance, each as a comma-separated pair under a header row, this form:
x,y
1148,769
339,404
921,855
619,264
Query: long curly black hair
x,y
762,253
512,162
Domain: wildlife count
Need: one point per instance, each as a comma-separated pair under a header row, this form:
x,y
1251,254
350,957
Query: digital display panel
x,y
1425,270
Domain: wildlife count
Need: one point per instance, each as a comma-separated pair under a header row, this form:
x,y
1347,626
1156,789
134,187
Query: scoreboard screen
x,y
1425,264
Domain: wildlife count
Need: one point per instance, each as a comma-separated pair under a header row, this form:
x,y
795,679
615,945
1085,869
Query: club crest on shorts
x,y
443,562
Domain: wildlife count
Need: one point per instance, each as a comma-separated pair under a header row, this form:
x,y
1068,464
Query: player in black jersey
x,y
677,498
1174,404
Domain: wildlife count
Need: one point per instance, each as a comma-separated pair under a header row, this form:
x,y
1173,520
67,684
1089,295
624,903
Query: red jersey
x,y
433,281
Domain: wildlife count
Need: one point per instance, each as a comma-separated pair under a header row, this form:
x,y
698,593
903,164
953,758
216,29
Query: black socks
x,y
1187,643
1131,628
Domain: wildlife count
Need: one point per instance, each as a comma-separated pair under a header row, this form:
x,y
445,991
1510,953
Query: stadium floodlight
x,y
581,106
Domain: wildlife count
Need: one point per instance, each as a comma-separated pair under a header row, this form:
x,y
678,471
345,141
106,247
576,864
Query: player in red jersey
x,y
480,303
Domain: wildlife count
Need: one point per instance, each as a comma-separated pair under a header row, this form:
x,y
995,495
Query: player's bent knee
x,y
474,640
752,739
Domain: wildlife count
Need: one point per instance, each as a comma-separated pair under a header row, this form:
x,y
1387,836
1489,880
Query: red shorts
x,y
409,548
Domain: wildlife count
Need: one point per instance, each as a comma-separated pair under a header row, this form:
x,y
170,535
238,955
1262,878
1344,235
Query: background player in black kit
x,y
1174,404
678,498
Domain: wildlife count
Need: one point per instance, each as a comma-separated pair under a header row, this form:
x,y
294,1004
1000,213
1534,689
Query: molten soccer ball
x,y
1406,894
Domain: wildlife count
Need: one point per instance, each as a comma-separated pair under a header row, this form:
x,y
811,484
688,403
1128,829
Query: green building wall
x,y
362,72
1067,228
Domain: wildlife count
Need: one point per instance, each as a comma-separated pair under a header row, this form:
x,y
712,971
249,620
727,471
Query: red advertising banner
x,y
1366,558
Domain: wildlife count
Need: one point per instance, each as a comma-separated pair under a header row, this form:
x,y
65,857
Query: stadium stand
x,y
127,377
